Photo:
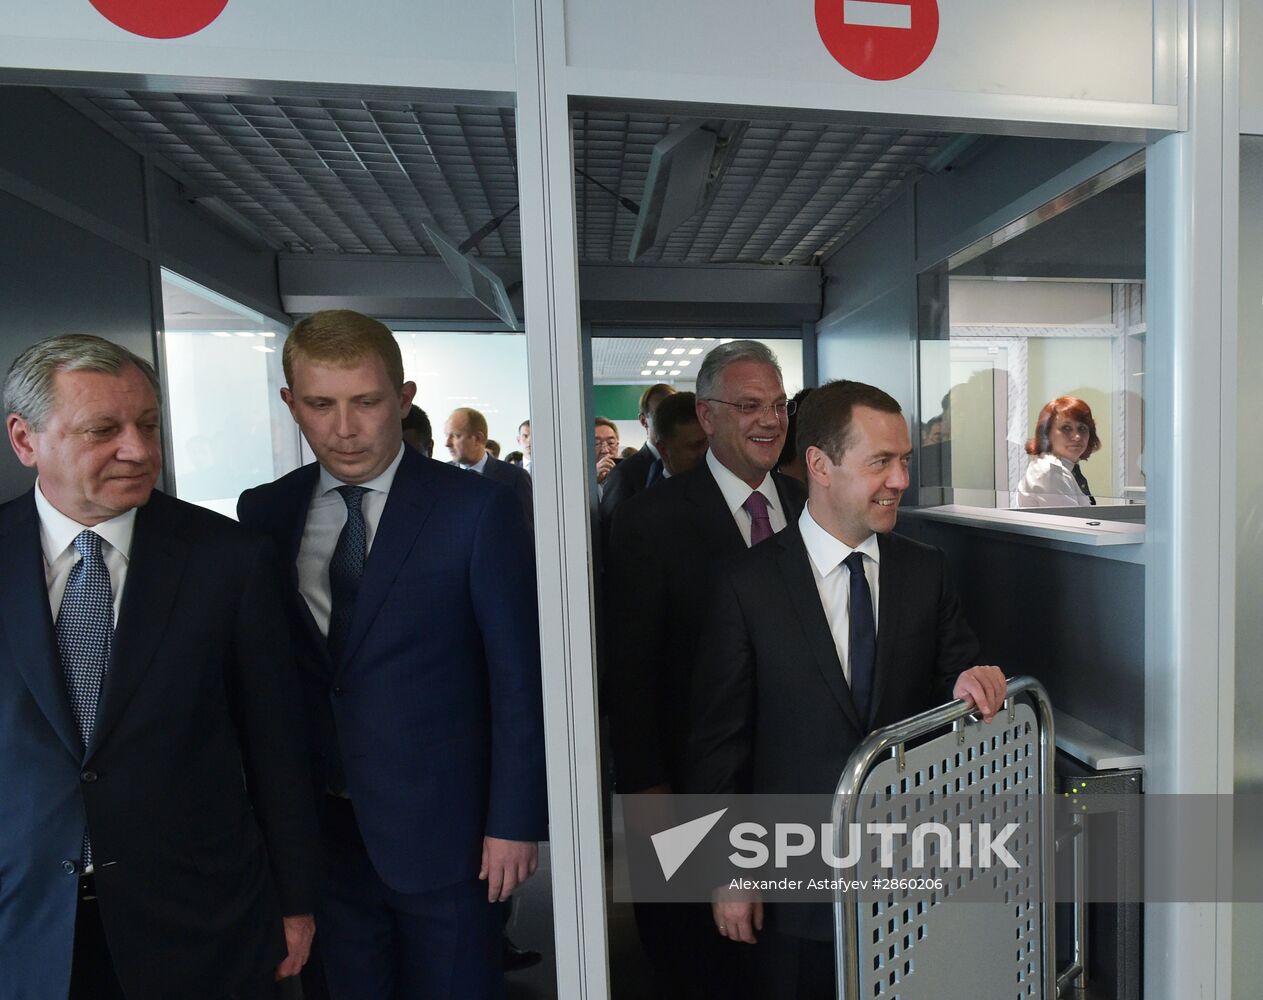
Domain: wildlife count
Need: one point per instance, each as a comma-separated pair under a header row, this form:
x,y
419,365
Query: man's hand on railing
x,y
738,914
984,688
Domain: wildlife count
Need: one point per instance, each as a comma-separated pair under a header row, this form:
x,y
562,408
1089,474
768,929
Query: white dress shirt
x,y
833,580
736,492
1049,482
478,466
57,532
325,518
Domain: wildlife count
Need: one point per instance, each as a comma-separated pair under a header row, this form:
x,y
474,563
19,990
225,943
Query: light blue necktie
x,y
85,638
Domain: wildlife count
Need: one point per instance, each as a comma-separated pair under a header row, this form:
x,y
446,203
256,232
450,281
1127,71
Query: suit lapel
x,y
28,621
293,522
155,567
789,504
800,584
712,519
890,600
411,498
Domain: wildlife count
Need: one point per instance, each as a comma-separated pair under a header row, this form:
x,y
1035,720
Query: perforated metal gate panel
x,y
943,944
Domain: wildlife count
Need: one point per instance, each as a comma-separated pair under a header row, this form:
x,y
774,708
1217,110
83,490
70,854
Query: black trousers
x,y
92,970
92,975
797,968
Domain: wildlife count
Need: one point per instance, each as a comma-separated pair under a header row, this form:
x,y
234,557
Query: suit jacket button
x,y
69,867
88,777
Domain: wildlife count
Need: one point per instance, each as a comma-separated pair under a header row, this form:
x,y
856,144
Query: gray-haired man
x,y
665,548
158,836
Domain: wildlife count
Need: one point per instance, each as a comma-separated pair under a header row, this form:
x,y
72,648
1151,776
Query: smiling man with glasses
x,y
666,545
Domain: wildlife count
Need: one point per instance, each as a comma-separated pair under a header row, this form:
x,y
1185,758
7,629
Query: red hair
x,y
1063,406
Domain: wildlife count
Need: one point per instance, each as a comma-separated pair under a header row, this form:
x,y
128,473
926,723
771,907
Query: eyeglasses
x,y
783,408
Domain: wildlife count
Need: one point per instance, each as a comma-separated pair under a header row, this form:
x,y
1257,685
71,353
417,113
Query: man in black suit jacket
x,y
466,433
796,668
665,548
642,469
158,836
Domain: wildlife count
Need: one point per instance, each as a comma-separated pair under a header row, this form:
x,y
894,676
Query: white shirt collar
x,y
652,449
57,531
329,482
479,465
827,552
737,491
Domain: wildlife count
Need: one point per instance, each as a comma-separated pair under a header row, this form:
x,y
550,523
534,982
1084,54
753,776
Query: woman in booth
x,y
1065,435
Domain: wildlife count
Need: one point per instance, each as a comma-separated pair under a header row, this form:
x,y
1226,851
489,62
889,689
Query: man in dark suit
x,y
643,468
413,606
466,432
834,628
665,548
158,839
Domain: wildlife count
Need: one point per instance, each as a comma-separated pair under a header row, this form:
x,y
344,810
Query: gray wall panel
x,y
193,244
1073,621
1001,174
868,332
58,279
46,142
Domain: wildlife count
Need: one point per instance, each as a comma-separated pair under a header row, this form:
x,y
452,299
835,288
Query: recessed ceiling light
x,y
653,361
668,338
676,372
265,350
245,333
661,371
266,333
220,333
647,371
690,338
683,362
659,350
696,350
677,350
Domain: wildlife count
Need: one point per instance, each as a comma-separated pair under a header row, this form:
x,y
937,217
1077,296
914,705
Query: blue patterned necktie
x,y
345,569
863,631
85,638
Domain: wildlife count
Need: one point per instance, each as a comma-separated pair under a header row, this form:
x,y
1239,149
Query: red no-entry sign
x,y
161,18
878,39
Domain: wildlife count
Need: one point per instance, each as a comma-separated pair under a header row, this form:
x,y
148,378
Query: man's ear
x,y
20,438
287,395
819,466
704,418
406,395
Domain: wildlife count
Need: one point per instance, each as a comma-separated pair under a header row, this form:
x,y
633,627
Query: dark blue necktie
x,y
85,638
346,568
863,637
655,473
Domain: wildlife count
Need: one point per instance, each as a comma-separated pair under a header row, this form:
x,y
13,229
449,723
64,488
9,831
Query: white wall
x,y
1030,303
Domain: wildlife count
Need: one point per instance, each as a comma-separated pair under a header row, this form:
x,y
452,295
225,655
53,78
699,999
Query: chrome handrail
x,y
846,807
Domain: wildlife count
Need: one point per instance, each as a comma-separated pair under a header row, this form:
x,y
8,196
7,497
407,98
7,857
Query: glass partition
x,y
229,429
1031,359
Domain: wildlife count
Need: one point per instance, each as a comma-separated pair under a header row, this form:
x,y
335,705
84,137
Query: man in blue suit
x,y
466,433
413,608
157,838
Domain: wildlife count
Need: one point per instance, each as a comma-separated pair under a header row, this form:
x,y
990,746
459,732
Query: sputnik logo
x,y
675,845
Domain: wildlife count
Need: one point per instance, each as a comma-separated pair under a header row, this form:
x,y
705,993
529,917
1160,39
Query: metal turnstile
x,y
987,932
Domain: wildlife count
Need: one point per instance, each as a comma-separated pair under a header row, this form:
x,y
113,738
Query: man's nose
x,y
900,479
132,446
